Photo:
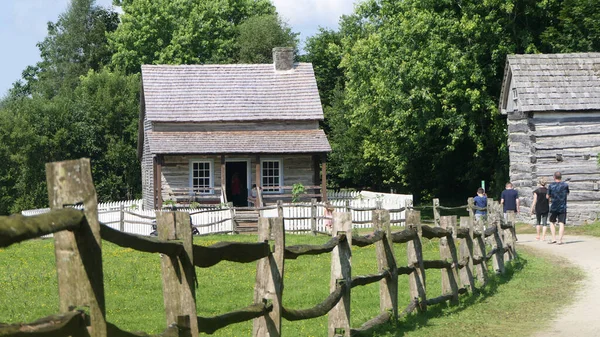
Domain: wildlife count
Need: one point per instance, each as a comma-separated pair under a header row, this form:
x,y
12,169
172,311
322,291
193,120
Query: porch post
x,y
223,178
257,174
323,177
158,181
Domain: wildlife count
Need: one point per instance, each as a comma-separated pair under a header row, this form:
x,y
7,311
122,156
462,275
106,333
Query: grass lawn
x,y
509,306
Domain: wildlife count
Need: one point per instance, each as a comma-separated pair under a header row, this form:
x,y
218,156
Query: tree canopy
x,y
180,32
410,87
82,98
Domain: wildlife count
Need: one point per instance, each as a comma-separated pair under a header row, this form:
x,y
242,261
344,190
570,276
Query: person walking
x,y
509,199
510,202
540,208
557,195
480,201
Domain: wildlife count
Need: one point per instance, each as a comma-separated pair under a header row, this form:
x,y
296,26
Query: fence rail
x,y
463,259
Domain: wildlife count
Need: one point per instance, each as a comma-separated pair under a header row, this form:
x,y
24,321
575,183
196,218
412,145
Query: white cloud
x,y
313,13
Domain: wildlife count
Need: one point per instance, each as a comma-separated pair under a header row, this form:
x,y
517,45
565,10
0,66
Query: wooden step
x,y
246,216
247,227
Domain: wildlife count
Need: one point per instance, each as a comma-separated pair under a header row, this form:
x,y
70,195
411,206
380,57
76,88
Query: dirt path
x,y
582,317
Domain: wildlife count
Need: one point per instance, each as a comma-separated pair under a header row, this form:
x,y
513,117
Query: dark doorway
x,y
236,173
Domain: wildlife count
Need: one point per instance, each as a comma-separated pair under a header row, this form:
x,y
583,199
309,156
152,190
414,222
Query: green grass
x,y
28,290
592,229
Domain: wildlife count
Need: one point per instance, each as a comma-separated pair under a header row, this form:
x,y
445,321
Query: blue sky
x,y
23,25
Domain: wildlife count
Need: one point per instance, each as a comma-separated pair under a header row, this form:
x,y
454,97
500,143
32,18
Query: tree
x,y
48,116
324,51
75,43
180,32
258,36
578,27
416,106
110,101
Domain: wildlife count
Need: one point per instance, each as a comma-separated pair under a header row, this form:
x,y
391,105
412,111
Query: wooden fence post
x,y
269,277
122,218
498,217
234,223
414,252
178,272
466,253
436,212
509,237
78,253
388,287
470,205
448,252
339,316
280,208
479,250
313,216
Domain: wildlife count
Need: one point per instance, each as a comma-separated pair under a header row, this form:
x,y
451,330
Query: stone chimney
x,y
283,58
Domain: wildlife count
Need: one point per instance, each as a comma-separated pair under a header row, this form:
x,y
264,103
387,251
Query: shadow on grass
x,y
420,320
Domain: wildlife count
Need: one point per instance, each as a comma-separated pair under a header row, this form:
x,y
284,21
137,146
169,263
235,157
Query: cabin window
x,y
272,175
201,177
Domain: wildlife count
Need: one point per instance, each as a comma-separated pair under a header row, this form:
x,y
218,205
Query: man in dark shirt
x,y
557,194
509,199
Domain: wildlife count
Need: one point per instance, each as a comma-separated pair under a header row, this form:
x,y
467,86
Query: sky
x,y
23,24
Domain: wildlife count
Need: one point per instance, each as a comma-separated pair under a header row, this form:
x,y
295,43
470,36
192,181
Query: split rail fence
x,y
79,234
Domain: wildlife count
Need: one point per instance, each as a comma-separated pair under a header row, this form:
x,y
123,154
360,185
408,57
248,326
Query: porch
x,y
242,180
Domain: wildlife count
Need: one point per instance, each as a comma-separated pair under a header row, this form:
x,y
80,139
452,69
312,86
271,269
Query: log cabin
x,y
240,133
552,104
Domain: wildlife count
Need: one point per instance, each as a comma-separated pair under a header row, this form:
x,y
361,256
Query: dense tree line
x,y
409,88
82,98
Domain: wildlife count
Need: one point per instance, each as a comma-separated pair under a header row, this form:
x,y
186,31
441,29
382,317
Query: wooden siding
x,y
175,171
543,143
147,171
230,126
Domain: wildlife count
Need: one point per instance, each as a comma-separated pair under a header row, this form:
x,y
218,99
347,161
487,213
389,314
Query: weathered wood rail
x,y
78,236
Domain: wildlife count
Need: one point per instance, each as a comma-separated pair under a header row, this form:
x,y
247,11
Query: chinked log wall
x,y
78,237
543,143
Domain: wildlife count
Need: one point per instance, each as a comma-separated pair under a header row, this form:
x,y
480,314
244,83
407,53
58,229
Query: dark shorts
x,y
542,219
560,216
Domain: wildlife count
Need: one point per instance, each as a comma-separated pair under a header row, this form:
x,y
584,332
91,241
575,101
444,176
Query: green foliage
x,y
75,43
297,191
180,32
324,52
258,36
97,120
169,203
67,107
412,102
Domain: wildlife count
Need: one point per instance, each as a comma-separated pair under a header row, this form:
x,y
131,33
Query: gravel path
x,y
582,318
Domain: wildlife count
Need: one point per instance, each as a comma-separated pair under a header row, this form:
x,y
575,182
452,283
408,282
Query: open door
x,y
236,173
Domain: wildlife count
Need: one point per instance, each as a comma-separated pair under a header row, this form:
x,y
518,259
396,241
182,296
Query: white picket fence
x,y
359,204
128,216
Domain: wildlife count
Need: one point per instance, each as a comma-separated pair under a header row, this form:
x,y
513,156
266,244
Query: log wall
x,y
544,142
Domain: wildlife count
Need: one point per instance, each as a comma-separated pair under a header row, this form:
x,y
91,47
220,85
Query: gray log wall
x,y
542,143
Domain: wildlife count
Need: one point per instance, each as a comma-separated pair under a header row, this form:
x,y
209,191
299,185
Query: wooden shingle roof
x,y
230,92
297,141
553,82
